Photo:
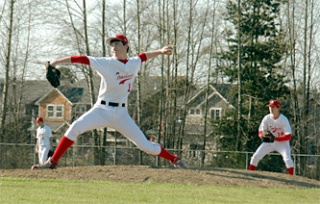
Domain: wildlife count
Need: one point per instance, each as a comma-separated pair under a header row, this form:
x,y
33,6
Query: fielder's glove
x,y
50,153
53,75
267,137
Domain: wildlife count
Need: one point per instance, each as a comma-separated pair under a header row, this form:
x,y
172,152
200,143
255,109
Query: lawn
x,y
27,190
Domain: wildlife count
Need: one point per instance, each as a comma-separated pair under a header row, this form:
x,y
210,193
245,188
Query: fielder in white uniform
x,y
43,144
117,77
278,125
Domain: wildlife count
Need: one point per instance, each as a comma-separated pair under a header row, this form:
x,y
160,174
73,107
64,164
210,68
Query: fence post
x,y
73,155
247,161
294,164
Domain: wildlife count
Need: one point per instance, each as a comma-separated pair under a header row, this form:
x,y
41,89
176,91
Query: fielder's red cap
x,y
39,119
118,37
274,103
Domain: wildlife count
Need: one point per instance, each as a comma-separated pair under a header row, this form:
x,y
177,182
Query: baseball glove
x,y
268,137
50,153
53,75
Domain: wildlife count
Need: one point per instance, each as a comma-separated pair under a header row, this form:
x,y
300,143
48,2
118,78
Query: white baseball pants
x,y
117,118
282,147
43,153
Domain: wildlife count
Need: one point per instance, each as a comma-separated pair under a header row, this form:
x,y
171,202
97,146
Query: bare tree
x,y
239,113
195,36
161,102
179,140
104,52
292,57
209,73
4,107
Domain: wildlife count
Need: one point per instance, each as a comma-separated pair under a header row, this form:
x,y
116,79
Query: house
x,y
21,98
221,98
60,106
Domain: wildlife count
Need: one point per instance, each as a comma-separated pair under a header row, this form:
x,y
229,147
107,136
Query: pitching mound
x,y
141,174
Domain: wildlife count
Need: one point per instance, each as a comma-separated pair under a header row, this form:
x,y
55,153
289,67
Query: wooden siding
x,y
57,99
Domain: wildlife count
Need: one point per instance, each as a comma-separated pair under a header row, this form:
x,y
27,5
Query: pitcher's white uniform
x,y
43,136
281,130
117,77
117,80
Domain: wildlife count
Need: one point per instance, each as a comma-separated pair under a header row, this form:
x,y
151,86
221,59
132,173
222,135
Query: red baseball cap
x,y
118,37
274,103
39,119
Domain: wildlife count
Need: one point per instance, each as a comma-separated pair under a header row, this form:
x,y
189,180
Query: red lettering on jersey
x,y
122,82
123,78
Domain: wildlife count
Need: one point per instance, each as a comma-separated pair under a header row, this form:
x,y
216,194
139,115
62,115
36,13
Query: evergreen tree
x,y
262,47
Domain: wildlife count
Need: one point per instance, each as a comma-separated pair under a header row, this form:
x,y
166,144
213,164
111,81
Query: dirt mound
x,y
141,174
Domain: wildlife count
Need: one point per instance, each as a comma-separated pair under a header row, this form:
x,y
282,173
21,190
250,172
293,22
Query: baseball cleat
x,y
178,163
49,164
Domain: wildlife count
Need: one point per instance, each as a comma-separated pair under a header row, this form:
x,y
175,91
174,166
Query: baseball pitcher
x,y
117,77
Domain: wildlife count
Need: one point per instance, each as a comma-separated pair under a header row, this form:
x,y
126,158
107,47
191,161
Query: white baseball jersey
x,y
117,78
43,135
116,83
279,127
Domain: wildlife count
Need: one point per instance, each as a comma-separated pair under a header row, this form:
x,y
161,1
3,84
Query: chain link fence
x,y
13,156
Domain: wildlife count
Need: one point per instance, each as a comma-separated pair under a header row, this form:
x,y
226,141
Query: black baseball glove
x,y
53,75
267,137
50,153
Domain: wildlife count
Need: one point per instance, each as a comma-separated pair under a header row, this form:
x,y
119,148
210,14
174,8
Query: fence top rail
x,y
119,147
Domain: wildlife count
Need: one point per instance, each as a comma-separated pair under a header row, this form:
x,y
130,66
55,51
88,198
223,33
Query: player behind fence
x,y
43,145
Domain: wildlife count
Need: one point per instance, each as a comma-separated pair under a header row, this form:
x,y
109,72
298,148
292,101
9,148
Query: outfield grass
x,y
25,190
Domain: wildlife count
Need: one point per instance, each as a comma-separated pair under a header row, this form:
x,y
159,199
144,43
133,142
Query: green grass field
x,y
25,190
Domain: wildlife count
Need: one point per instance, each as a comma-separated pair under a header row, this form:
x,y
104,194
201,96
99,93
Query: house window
x,y
81,109
55,111
194,111
215,113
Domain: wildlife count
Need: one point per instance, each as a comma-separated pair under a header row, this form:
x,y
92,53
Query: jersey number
x,y
123,82
129,87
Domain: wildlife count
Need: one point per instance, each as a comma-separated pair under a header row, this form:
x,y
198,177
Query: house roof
x,y
227,91
33,90
223,91
73,94
56,126
30,90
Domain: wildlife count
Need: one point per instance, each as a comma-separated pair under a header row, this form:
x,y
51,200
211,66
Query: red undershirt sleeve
x,y
80,60
143,57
